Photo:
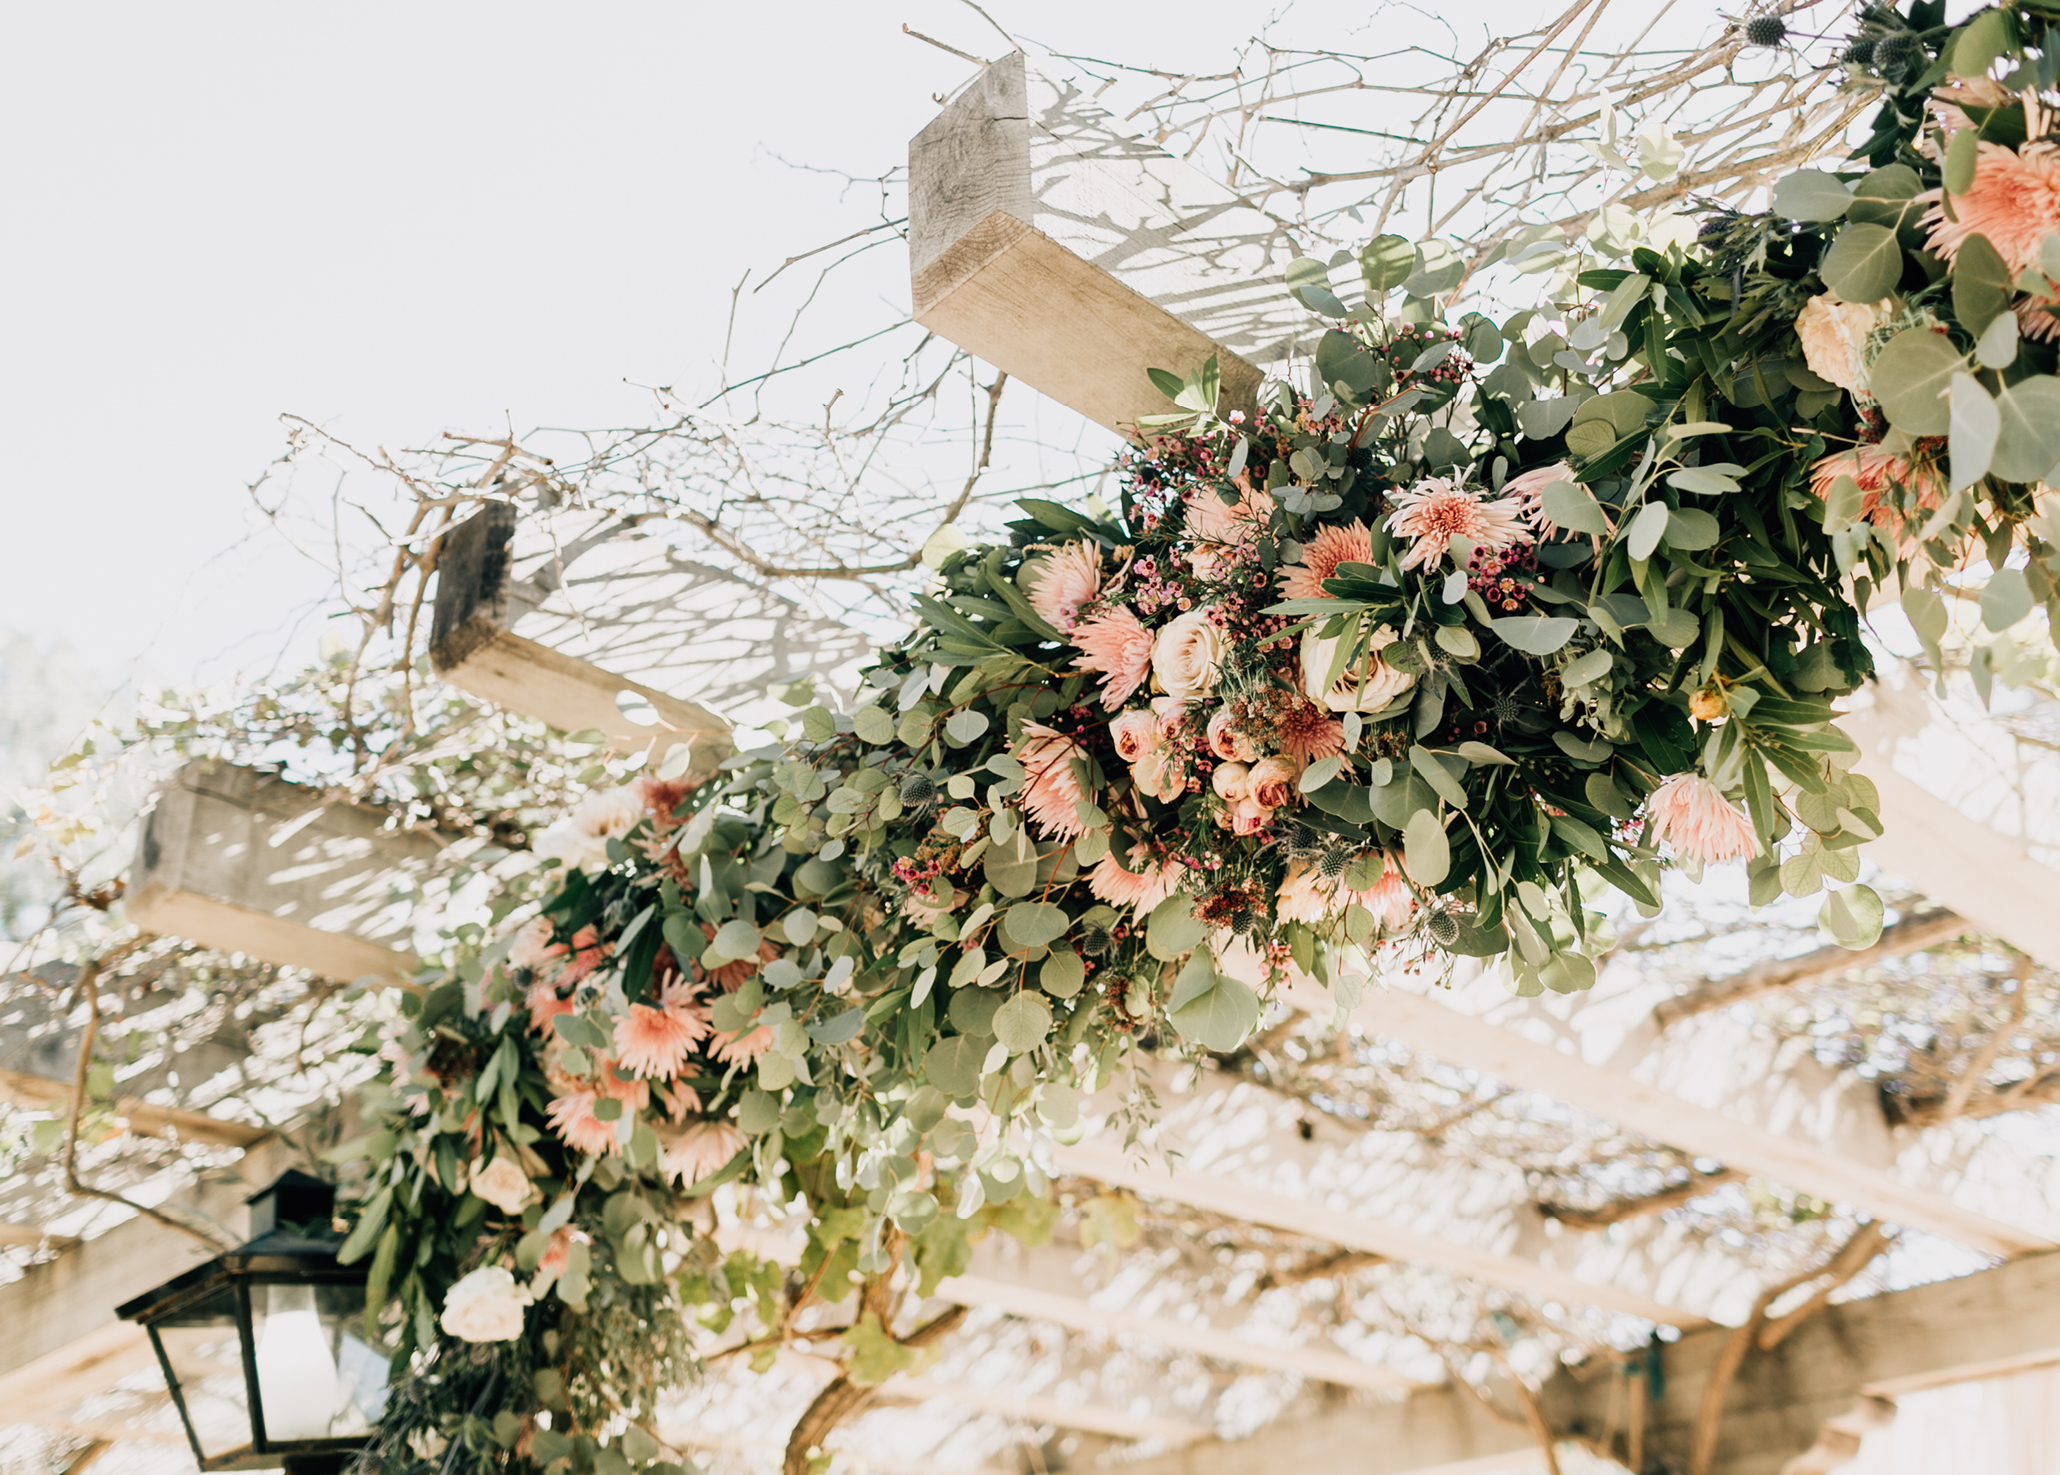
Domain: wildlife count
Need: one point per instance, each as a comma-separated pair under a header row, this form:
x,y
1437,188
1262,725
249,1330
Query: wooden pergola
x,y
1052,245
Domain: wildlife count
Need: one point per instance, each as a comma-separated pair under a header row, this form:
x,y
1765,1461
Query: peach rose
x,y
1187,655
1158,774
1228,743
1136,734
1273,782
1248,816
1834,340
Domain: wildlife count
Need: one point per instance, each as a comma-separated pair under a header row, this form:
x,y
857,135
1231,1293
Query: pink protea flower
x,y
572,1117
1306,732
744,1046
1117,645
1049,789
558,1252
1692,814
533,947
1211,520
1136,733
2014,201
1389,898
1321,555
1065,581
588,953
1527,494
1875,471
678,1101
702,1149
1436,510
1305,896
1143,888
656,1042
1227,742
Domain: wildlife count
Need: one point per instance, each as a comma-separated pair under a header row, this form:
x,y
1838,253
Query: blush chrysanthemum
x,y
1435,511
1321,555
702,1149
572,1117
1305,733
2014,201
1691,814
1117,645
655,1042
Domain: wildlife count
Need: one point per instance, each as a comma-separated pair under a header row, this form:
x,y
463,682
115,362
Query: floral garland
x,y
1412,664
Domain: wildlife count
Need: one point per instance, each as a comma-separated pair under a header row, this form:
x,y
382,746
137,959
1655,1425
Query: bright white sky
x,y
395,219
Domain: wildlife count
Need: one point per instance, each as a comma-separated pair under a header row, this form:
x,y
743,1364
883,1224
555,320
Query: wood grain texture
x,y
245,861
1048,242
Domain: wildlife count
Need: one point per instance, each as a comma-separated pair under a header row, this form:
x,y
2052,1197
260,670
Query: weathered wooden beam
x,y
1846,1360
1236,1148
1034,1303
1799,1149
1051,244
59,1302
43,1093
1972,815
1037,1408
1911,935
241,860
555,615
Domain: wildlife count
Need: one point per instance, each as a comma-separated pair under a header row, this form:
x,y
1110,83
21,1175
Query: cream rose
x,y
1232,782
1366,685
581,838
1156,774
1136,734
1248,816
502,1184
486,1306
1273,782
1834,340
1186,655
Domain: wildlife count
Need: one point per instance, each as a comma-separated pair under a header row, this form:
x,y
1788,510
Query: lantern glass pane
x,y
318,1377
206,1356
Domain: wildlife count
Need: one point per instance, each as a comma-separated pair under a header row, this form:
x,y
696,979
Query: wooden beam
x,y
1971,816
1241,1149
1046,1284
43,1093
1049,243
54,1305
1730,1134
1038,1408
1075,1314
1840,1365
238,859
1913,934
556,615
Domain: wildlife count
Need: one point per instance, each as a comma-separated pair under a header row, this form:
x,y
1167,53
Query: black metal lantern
x,y
264,1347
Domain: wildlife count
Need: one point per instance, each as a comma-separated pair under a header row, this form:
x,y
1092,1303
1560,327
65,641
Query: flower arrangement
x,y
1413,661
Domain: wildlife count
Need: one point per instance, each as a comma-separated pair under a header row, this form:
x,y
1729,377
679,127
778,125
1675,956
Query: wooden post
x,y
241,860
556,616
1052,245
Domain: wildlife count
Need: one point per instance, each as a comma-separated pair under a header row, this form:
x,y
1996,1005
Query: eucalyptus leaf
x,y
1647,528
1912,377
2006,600
1173,930
1811,194
1425,849
1864,263
1536,635
1975,425
1982,284
2028,429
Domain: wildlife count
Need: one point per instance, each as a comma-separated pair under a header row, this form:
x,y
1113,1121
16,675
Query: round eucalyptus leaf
x,y
2028,433
1982,284
1976,422
1811,194
1863,264
1912,377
